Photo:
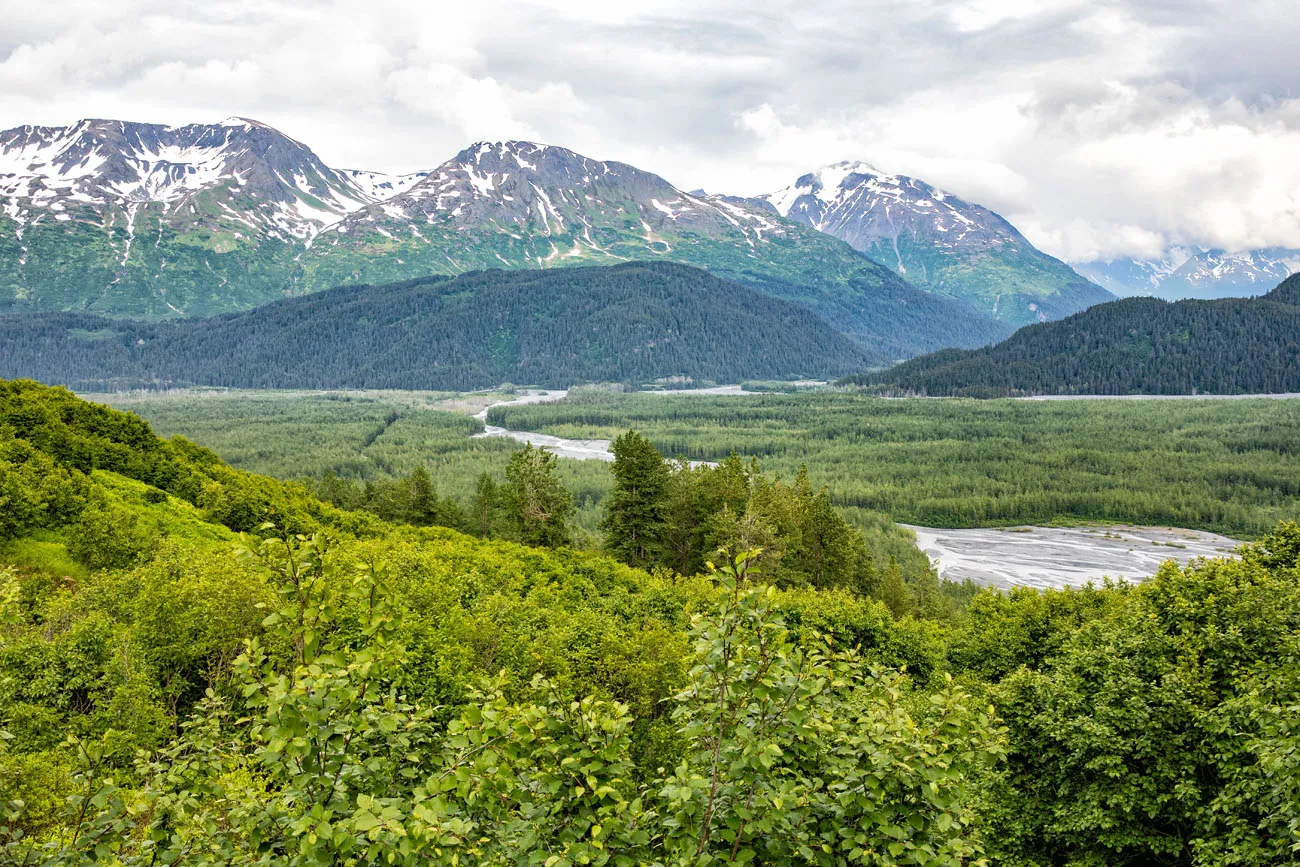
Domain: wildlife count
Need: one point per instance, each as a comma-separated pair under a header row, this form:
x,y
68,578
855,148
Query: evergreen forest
x,y
1131,346
629,323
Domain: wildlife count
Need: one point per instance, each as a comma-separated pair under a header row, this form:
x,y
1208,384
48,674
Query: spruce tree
x,y
483,507
535,503
422,504
635,522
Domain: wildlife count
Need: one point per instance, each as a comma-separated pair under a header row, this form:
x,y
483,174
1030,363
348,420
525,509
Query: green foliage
x,y
1230,466
677,516
635,523
535,506
408,500
421,697
51,441
799,754
1157,732
1131,346
1025,627
106,536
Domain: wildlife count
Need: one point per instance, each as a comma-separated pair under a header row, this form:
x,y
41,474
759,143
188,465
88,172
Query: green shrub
x,y
107,536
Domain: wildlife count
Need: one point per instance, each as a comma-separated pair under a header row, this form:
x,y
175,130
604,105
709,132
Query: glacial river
x,y
999,557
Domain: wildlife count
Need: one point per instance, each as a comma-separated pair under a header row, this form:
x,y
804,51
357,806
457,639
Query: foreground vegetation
x,y
329,688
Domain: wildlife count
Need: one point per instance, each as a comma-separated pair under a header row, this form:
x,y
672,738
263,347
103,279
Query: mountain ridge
x,y
1196,272
148,221
632,322
1138,345
938,241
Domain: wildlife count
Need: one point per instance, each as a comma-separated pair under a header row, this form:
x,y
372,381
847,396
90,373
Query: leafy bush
x,y
111,537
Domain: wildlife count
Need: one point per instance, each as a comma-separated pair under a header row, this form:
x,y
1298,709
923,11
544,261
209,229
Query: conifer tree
x,y
483,507
635,524
422,504
535,504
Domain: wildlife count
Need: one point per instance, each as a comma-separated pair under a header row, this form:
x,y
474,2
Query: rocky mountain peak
x,y
936,240
239,171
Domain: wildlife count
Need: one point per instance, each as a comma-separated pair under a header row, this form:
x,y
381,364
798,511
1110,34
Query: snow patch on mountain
x,y
1196,272
239,169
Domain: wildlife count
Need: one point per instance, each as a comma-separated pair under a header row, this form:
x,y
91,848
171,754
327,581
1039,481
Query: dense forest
x,y
1231,466
1131,346
625,323
325,686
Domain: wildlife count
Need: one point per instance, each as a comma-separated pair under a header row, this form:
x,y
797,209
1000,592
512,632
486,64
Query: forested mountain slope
x,y
938,242
148,221
630,322
1131,346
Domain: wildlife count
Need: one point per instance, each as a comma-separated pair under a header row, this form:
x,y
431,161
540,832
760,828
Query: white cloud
x,y
1100,127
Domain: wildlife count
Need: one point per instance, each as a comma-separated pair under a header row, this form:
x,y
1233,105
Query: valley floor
x,y
1112,545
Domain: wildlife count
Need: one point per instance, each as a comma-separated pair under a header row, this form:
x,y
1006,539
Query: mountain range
x,y
937,241
153,222
1137,345
1199,272
632,322
148,221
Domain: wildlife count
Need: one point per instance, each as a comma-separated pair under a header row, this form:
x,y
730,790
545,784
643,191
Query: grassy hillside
x,y
1132,346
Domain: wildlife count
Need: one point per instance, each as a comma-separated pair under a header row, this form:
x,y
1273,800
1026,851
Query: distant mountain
x,y
631,322
1199,272
150,221
938,242
524,205
1131,346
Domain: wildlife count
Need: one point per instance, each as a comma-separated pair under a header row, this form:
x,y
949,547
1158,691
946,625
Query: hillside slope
x,y
628,322
938,242
1132,346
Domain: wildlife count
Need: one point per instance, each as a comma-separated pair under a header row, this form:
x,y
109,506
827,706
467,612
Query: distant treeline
x,y
1132,346
627,323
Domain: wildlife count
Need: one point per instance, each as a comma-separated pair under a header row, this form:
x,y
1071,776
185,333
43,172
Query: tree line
x,y
1131,346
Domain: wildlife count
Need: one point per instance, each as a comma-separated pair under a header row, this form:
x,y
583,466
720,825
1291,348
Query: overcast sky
x,y
1099,127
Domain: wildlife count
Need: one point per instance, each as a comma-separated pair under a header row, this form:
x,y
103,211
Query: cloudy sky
x,y
1099,127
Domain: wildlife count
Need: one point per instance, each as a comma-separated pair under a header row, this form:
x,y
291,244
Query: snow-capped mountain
x,y
524,205
153,221
249,170
937,241
1196,272
146,219
561,205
